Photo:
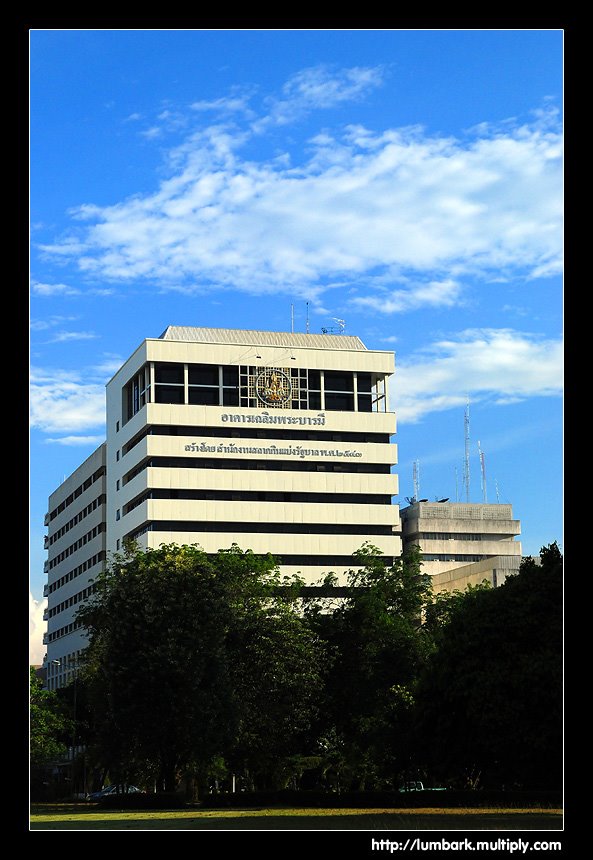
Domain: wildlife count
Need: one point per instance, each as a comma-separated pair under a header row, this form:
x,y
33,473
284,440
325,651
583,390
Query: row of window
x,y
446,557
76,598
259,496
453,536
257,465
227,432
98,529
100,500
232,385
258,528
86,565
77,492
63,631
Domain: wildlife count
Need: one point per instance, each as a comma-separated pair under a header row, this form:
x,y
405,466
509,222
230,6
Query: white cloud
x,y
64,336
50,322
433,294
319,87
238,103
48,290
37,627
152,132
77,440
61,402
364,205
53,289
498,365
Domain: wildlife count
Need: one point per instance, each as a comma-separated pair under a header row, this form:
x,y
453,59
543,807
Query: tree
x,y
49,724
191,658
278,678
490,700
378,644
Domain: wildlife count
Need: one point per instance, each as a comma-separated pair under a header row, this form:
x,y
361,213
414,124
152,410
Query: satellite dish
x,y
443,500
422,500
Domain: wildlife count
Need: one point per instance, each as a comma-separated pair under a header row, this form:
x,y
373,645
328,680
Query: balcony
x,y
46,519
45,541
44,641
46,590
45,614
45,566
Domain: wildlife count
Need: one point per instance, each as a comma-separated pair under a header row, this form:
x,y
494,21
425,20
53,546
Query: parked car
x,y
416,785
112,789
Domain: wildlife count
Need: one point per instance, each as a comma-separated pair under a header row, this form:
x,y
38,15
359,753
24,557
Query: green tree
x,y
489,706
378,645
49,724
278,678
191,658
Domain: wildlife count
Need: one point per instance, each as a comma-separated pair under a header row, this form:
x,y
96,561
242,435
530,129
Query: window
x,y
117,484
117,455
117,426
339,390
117,514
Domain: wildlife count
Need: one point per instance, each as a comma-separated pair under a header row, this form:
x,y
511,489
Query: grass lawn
x,y
54,816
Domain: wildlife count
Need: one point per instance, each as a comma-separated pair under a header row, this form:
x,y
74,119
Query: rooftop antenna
x,y
466,459
341,324
292,318
456,484
416,478
307,317
482,474
497,493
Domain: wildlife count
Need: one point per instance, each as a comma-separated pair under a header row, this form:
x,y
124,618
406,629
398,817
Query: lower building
x,y
453,535
76,552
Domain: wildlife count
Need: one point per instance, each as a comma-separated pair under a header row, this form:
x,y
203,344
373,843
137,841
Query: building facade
x,y
452,535
278,442
76,543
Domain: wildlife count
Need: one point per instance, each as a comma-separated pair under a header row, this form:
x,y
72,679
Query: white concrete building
x,y
452,535
275,441
76,552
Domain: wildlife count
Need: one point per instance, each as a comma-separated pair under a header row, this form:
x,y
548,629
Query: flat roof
x,y
248,337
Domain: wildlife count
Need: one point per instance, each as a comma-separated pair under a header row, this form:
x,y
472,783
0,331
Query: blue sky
x,y
408,182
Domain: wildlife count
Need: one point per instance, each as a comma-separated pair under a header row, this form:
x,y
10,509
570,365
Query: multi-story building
x,y
76,551
278,442
453,535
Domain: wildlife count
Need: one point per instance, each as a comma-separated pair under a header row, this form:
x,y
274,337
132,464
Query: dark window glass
x,y
364,403
230,375
364,382
338,381
230,396
314,400
203,374
315,379
339,402
169,394
203,396
171,373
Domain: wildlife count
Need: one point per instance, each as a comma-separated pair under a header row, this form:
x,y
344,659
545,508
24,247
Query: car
x,y
112,789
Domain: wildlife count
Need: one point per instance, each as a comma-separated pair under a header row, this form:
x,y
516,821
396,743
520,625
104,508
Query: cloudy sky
x,y
406,182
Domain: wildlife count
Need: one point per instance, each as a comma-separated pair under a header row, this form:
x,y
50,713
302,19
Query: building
x,y
76,552
278,442
461,541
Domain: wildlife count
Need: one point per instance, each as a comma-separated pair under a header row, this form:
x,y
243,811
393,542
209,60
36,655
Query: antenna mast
x,y
292,318
416,477
466,460
456,485
497,493
482,473
307,317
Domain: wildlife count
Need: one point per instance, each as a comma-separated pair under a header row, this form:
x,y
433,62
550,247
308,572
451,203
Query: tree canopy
x,y
49,723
